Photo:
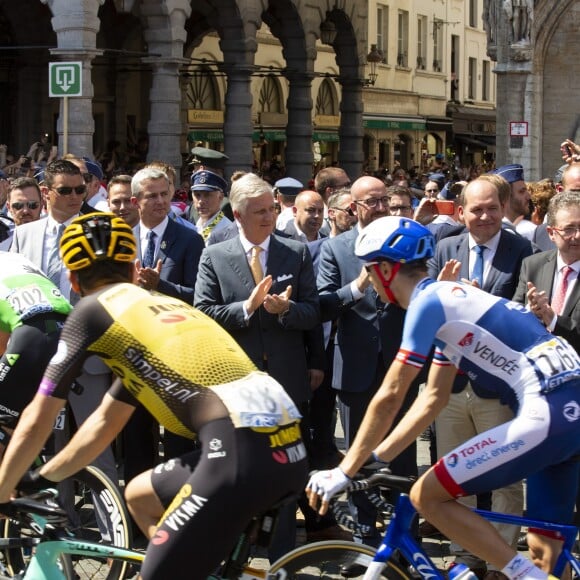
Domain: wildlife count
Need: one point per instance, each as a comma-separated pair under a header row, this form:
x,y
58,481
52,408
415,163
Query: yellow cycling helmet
x,y
94,237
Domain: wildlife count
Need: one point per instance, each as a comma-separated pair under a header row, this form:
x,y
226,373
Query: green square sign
x,y
65,79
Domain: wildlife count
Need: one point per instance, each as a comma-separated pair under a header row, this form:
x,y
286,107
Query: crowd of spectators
x,y
310,316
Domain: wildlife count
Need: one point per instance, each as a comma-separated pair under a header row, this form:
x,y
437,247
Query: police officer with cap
x,y
518,204
205,158
208,189
286,190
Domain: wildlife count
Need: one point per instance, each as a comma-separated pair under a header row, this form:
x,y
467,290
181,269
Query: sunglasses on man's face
x,y
66,190
18,205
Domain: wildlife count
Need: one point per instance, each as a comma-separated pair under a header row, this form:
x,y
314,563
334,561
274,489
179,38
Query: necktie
x,y
149,256
54,264
255,265
559,298
477,273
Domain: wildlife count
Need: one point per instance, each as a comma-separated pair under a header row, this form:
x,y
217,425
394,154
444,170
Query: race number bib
x,y
555,362
28,301
257,401
60,421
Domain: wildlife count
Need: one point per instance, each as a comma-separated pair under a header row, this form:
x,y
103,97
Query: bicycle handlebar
x,y
41,504
382,478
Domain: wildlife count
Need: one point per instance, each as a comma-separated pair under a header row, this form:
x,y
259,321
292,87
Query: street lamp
x,y
328,31
373,58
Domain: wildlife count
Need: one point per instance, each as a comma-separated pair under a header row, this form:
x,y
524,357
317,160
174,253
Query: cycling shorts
x,y
212,493
27,355
541,444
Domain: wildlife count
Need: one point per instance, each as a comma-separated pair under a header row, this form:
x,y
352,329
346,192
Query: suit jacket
x,y
291,231
542,239
275,344
503,276
540,270
232,231
29,240
179,252
357,343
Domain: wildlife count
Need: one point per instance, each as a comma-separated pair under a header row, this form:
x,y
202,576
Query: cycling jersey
x,y
502,346
194,379
32,311
171,358
26,292
497,343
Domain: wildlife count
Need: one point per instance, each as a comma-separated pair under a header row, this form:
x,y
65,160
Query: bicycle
x,y
17,537
400,555
95,507
51,547
54,545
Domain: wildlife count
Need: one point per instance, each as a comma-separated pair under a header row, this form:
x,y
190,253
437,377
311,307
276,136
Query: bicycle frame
x,y
398,537
44,561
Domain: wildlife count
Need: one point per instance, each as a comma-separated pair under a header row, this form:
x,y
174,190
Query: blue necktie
x,y
477,273
149,256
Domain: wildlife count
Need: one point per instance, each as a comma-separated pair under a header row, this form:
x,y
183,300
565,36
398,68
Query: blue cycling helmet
x,y
396,239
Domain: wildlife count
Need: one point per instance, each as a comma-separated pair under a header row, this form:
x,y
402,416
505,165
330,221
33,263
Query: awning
x,y
216,135
439,123
394,122
480,141
325,136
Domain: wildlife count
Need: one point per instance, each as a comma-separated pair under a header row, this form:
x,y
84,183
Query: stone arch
x,y
557,80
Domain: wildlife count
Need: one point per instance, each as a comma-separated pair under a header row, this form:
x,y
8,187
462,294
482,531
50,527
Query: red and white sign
x,y
518,128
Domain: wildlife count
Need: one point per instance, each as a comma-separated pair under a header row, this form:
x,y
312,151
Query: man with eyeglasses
x,y
431,189
24,200
400,201
326,182
362,351
548,280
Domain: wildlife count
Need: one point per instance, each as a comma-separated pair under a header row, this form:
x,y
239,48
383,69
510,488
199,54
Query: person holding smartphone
x,y
447,204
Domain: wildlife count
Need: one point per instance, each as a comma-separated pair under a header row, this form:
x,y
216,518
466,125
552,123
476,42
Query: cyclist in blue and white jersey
x,y
498,343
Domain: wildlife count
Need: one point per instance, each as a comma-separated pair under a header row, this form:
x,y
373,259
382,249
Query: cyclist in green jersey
x,y
32,313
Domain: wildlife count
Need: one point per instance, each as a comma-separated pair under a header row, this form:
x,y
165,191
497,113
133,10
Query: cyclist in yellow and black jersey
x,y
196,381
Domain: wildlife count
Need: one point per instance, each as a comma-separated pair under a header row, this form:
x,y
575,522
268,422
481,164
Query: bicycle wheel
x,y
97,513
332,559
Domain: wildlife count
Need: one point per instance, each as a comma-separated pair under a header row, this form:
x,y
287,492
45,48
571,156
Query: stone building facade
x,y
143,74
538,86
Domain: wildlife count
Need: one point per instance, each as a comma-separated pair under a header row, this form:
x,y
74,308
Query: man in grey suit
x,y
171,265
261,289
492,256
542,274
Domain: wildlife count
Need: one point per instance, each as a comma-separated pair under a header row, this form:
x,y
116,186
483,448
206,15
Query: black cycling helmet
x,y
95,237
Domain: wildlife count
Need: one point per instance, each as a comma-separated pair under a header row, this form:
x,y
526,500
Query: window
x,y
472,80
437,45
473,13
486,81
383,31
403,38
421,42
